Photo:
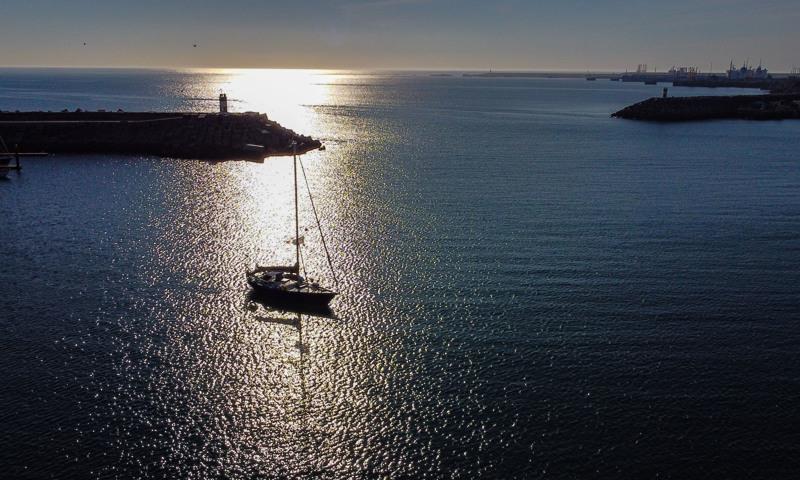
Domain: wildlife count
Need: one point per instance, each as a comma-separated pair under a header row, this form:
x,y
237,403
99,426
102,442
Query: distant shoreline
x,y
505,74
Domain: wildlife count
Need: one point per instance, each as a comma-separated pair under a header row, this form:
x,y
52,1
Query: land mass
x,y
746,107
172,134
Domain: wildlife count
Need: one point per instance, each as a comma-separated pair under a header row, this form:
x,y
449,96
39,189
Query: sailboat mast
x,y
296,214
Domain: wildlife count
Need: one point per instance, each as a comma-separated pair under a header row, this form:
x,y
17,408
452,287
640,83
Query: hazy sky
x,y
440,34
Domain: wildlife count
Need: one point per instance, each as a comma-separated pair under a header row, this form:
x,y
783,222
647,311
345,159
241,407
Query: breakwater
x,y
749,107
169,134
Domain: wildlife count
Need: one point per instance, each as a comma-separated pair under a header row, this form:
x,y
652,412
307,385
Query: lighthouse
x,y
223,103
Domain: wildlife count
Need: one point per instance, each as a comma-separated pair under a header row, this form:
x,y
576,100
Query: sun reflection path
x,y
284,95
329,405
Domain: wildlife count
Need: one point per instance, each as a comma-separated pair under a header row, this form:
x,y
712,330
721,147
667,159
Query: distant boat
x,y
284,285
591,79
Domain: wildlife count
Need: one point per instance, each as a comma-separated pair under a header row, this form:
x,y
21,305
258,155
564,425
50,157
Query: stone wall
x,y
184,135
748,107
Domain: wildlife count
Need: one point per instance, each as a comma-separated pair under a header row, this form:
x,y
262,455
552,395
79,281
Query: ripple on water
x,y
523,293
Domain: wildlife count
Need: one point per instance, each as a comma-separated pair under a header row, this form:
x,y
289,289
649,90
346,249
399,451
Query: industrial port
x,y
745,76
782,101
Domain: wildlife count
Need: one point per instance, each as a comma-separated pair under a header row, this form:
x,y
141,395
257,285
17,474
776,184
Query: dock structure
x,y
169,134
6,165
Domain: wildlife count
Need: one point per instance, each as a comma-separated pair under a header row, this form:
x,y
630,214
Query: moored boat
x,y
284,285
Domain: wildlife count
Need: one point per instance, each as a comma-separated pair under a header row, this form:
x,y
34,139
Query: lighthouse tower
x,y
223,103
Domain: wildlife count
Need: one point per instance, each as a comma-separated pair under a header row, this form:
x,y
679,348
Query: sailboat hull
x,y
287,288
296,298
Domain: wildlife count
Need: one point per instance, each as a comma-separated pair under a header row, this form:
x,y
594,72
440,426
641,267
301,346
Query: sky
x,y
579,35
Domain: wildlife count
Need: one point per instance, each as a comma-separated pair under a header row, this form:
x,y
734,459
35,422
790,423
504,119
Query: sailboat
x,y
284,285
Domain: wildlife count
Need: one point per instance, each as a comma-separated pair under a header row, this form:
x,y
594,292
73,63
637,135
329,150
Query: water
x,y
530,288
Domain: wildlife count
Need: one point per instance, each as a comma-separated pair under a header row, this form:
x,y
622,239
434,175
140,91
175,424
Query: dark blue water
x,y
530,289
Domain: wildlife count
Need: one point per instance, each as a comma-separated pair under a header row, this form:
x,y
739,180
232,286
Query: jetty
x,y
746,107
220,136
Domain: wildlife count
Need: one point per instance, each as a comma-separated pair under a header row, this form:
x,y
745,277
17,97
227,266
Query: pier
x,y
221,136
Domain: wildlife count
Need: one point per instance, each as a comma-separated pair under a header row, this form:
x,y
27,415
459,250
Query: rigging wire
x,y
319,226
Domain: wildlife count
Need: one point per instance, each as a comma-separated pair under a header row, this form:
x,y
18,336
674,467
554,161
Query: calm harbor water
x,y
530,289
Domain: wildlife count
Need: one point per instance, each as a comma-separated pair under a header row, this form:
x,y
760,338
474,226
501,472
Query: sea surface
x,y
529,288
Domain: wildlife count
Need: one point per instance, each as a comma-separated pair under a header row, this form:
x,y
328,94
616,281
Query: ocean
x,y
528,287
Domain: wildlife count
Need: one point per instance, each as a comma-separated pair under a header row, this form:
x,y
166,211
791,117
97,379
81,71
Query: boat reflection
x,y
297,323
254,298
306,431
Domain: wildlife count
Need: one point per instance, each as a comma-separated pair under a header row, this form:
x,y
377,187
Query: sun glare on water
x,y
266,199
287,96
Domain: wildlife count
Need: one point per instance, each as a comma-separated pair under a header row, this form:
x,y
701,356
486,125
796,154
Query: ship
x,y
747,72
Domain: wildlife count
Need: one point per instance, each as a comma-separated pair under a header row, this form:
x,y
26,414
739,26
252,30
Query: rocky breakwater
x,y
181,135
747,107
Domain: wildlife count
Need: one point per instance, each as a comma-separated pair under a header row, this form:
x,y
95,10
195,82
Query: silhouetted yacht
x,y
284,285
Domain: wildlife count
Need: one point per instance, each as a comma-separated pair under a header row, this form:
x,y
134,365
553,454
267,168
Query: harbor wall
x,y
748,107
168,134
